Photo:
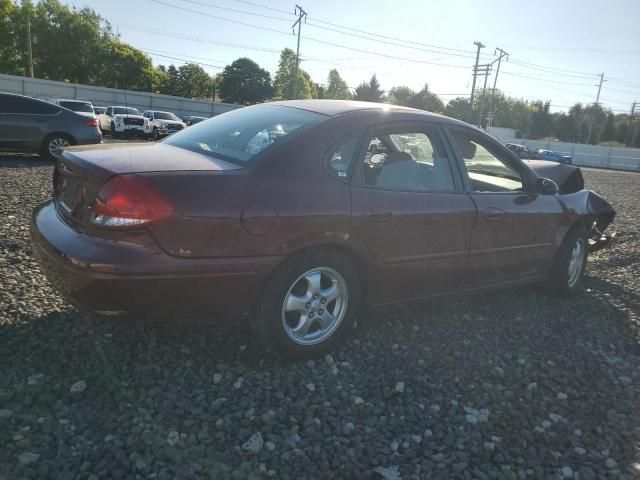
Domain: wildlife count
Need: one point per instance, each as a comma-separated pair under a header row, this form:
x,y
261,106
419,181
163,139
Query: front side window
x,y
487,170
239,135
407,159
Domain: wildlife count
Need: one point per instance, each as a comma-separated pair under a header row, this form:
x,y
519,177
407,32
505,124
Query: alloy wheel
x,y
55,144
314,306
576,262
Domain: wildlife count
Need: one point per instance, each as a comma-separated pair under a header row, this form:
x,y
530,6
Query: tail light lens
x,y
129,200
92,122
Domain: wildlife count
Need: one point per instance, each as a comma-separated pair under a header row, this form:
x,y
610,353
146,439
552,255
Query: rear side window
x,y
77,106
241,134
11,104
341,156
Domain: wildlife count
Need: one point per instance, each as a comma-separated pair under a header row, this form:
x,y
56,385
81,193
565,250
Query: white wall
x,y
48,89
587,155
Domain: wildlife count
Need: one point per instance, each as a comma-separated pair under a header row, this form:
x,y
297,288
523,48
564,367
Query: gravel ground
x,y
510,385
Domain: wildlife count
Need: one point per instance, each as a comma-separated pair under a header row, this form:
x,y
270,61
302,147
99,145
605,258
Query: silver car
x,y
35,126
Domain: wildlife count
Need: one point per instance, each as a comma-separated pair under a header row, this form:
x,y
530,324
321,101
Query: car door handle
x,y
380,217
493,214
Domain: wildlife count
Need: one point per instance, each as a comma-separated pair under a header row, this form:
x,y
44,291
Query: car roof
x,y
72,100
333,108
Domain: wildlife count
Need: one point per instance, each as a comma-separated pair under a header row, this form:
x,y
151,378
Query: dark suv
x,y
35,126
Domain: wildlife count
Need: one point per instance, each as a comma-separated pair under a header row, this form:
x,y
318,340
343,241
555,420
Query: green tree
x,y
287,84
541,120
193,82
609,129
369,92
244,82
126,67
459,108
400,95
11,57
336,87
426,100
635,141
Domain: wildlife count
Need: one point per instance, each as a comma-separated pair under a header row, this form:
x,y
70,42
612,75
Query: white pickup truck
x,y
118,120
163,123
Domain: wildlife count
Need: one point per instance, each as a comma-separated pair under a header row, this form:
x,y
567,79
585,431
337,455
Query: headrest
x,y
467,148
395,157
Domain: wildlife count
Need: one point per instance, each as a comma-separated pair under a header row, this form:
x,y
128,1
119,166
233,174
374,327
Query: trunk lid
x,y
81,171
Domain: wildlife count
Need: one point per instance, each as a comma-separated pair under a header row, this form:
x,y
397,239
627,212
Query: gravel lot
x,y
509,385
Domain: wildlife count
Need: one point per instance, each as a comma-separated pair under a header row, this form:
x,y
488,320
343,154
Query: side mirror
x,y
377,159
547,186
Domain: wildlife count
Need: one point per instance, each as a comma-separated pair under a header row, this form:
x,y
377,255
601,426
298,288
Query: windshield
x,y
125,111
77,106
239,135
164,116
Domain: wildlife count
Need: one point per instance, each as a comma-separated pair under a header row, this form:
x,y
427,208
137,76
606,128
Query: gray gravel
x,y
509,385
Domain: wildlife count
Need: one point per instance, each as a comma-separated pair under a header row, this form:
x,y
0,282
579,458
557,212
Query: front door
x,y
514,235
409,208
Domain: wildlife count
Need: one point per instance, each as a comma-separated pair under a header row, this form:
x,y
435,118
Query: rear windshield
x,y
77,106
125,111
239,135
165,116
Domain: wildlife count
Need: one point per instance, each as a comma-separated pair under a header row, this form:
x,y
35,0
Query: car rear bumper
x,y
107,276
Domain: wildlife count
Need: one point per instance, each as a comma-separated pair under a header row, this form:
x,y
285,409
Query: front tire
x,y
309,306
571,263
155,134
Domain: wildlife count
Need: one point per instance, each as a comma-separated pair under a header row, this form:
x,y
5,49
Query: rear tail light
x,y
92,122
129,200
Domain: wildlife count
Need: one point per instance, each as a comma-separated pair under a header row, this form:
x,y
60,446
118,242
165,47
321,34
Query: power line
x,y
538,79
195,2
264,6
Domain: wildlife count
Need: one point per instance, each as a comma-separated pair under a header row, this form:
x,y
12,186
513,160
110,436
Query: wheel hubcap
x,y
56,144
314,306
576,263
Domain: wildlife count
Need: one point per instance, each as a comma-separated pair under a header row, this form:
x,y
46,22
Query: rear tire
x,y
570,264
309,305
53,143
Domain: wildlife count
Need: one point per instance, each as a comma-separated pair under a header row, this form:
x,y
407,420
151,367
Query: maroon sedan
x,y
291,214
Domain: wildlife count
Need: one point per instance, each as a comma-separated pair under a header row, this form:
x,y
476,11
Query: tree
x,y
11,60
541,120
426,100
369,92
193,82
400,95
336,87
289,86
635,141
459,108
609,129
244,82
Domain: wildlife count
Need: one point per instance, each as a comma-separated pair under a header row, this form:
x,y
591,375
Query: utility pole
x,y
502,54
602,80
29,41
475,71
630,122
301,14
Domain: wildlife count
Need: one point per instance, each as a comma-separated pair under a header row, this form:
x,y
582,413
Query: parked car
x,y
99,110
521,150
192,120
118,120
35,126
79,106
277,213
163,123
553,156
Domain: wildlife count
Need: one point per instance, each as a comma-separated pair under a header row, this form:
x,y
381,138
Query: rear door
x,y
409,208
514,235
24,122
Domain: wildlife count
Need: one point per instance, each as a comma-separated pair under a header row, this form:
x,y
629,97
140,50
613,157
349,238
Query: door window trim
x,y
511,160
371,130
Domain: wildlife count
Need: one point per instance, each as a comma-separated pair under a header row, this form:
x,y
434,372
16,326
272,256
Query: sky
x,y
557,48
